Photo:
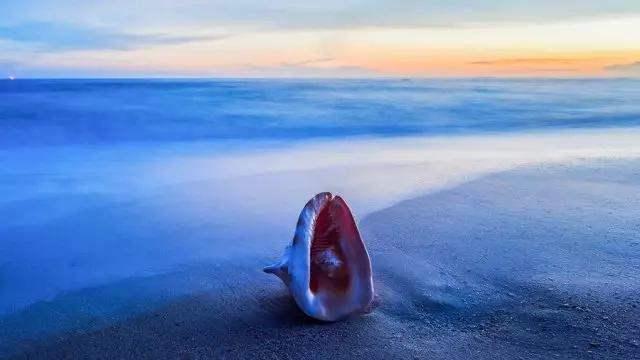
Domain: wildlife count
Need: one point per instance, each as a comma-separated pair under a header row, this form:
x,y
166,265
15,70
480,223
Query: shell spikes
x,y
327,268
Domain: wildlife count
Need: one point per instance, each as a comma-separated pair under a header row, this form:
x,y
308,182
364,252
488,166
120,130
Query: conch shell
x,y
327,268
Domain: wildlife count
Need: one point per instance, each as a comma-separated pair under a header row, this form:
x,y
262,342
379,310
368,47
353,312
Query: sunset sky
x,y
330,38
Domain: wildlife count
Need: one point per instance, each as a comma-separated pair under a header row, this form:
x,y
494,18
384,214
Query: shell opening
x,y
329,268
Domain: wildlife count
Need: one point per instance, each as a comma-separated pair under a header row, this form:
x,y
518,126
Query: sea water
x,y
55,112
103,180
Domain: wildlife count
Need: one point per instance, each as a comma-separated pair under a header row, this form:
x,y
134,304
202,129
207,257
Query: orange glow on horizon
x,y
591,48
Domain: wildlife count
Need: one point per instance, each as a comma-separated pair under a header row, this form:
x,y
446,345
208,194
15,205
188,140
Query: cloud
x,y
540,66
64,37
340,14
625,69
327,14
307,69
321,67
311,68
534,65
558,70
308,62
527,61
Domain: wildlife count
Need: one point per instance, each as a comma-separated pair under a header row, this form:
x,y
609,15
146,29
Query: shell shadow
x,y
280,310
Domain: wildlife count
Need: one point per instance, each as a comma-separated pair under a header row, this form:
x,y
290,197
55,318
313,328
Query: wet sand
x,y
535,263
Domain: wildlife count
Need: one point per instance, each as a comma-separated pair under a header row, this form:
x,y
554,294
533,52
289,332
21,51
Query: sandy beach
x,y
538,262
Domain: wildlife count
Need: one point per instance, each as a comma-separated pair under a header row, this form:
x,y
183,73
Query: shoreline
x,y
174,208
534,262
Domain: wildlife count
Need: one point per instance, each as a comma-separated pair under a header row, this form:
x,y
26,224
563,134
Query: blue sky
x,y
328,38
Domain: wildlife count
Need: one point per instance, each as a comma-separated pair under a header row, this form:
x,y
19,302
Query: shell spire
x,y
327,268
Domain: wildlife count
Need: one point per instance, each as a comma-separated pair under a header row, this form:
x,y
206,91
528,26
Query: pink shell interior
x,y
335,238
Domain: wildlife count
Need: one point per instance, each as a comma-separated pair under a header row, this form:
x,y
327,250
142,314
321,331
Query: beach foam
x,y
83,216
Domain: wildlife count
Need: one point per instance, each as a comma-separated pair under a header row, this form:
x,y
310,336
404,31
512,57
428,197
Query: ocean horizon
x,y
86,111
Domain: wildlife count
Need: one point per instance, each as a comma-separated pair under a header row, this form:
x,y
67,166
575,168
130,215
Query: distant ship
x,y
12,77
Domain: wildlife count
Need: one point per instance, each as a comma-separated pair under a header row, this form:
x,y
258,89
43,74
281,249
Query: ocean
x,y
60,112
105,180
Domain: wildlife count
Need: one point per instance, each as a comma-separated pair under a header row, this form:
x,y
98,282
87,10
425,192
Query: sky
x,y
329,38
